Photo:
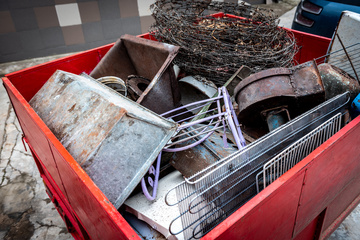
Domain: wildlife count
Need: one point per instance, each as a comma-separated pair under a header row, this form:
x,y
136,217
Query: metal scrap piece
x,y
114,139
152,60
336,81
300,88
193,160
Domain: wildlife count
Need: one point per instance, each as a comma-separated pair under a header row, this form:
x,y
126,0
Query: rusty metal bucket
x,y
336,81
114,139
147,59
297,89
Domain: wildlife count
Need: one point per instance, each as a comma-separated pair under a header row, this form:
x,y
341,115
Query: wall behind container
x,y
37,28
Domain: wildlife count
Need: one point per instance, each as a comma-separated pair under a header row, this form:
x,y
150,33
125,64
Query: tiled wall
x,y
35,28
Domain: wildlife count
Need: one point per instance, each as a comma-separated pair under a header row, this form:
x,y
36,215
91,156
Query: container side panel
x,y
63,209
334,165
101,222
96,214
308,232
36,139
271,215
30,80
339,206
310,46
34,135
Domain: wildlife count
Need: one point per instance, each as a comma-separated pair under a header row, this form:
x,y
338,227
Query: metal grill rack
x,y
210,196
288,158
195,129
346,58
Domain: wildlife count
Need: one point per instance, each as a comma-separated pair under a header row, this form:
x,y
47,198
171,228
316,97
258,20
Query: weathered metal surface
x,y
193,90
149,59
277,117
300,88
114,139
336,81
137,86
242,73
193,160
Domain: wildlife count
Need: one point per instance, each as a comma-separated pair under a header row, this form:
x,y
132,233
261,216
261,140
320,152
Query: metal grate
x,y
195,129
288,158
192,128
346,58
210,196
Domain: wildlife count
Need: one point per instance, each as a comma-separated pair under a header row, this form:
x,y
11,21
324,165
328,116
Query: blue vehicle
x,y
320,17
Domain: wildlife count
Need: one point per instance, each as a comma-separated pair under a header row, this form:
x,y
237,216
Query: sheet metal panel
x,y
337,210
35,134
332,166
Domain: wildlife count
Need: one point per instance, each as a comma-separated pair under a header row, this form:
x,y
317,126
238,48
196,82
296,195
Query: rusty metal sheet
x,y
114,139
300,88
336,81
148,59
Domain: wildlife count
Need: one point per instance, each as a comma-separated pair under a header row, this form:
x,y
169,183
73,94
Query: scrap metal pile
x,y
179,139
215,47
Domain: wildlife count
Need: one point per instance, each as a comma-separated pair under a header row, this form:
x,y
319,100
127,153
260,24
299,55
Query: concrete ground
x,y
25,209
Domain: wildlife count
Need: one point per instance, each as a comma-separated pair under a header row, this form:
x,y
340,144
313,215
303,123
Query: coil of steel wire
x,y
215,47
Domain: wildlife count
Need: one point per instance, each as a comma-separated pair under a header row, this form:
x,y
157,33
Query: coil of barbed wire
x,y
215,47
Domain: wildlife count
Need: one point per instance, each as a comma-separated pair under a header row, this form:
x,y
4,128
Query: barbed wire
x,y
215,47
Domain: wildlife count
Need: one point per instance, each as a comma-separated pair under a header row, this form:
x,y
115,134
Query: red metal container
x,y
308,201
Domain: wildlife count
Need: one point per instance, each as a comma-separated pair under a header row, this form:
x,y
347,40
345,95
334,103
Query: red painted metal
x,y
309,200
88,204
334,188
331,168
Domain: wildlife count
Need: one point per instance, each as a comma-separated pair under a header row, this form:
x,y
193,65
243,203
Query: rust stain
x,y
72,108
299,88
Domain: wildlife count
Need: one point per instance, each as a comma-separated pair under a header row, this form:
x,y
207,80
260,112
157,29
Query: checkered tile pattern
x,y
39,28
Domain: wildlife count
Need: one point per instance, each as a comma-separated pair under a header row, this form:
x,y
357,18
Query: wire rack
x,y
288,158
210,111
210,196
214,114
346,58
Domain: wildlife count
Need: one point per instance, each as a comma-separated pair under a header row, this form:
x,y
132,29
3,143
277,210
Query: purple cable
x,y
231,118
153,183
